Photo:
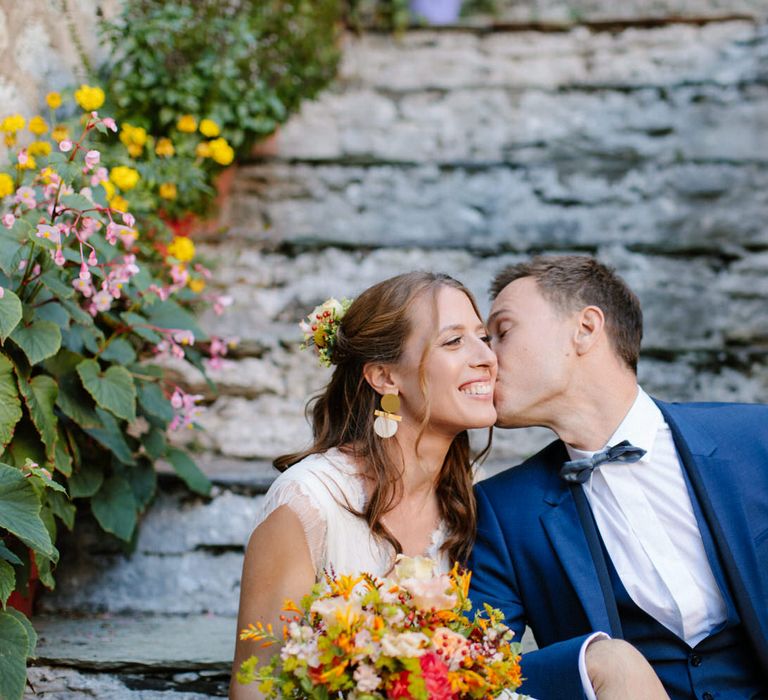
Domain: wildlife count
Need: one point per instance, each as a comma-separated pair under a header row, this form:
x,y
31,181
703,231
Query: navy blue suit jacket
x,y
531,558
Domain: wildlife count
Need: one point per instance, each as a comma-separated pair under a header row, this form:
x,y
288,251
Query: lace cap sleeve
x,y
298,497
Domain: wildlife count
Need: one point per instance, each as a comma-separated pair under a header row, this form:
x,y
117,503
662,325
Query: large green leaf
x,y
30,631
14,643
115,507
75,402
8,555
10,254
40,397
20,511
86,480
189,471
168,314
62,508
10,313
111,437
154,402
139,325
38,340
7,581
119,350
113,390
10,404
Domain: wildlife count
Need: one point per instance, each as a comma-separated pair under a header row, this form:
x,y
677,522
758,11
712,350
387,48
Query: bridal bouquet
x,y
407,636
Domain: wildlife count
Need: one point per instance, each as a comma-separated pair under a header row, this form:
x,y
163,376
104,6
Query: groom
x,y
662,542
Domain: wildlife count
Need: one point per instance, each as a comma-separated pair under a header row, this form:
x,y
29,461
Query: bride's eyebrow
x,y
453,327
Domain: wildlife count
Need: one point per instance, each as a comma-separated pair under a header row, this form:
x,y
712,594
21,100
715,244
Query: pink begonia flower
x,y
85,273
87,192
65,146
110,123
128,237
23,157
26,195
128,220
179,275
114,230
184,337
101,175
161,292
58,257
83,286
102,300
88,227
22,265
92,259
92,159
186,406
50,233
2,292
9,220
221,303
204,271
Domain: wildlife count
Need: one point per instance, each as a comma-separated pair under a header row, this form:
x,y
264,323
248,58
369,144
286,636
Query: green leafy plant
x,y
89,298
245,65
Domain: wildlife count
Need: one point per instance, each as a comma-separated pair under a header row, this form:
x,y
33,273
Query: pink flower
x,y
109,123
102,301
23,157
26,196
83,286
101,175
221,303
128,219
184,337
92,159
187,410
65,146
435,674
9,220
92,259
58,257
2,292
85,273
398,686
50,233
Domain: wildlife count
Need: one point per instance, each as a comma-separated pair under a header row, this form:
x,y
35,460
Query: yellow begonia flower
x,y
6,185
46,175
53,100
222,152
30,163
197,285
39,148
168,190
124,177
89,97
119,203
182,249
209,128
38,126
187,124
164,148
203,150
12,123
60,133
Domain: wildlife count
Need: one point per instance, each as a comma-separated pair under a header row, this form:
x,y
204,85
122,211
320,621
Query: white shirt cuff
x,y
586,684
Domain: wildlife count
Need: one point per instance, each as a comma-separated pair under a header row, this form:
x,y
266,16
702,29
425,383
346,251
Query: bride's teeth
x,y
477,389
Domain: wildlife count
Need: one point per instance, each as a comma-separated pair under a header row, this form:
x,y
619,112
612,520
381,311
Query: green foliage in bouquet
x,y
245,65
88,299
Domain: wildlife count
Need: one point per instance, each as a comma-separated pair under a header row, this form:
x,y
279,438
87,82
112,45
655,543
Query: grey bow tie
x,y
577,471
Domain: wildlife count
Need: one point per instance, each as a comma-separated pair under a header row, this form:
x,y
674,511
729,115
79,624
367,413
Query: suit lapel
x,y
710,474
566,536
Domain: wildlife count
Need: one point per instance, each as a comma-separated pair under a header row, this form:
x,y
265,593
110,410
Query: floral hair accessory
x,y
321,327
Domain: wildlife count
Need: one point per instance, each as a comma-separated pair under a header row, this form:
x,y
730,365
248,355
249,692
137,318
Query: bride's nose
x,y
483,356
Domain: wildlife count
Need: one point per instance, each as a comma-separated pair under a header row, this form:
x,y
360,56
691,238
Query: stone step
x,y
182,656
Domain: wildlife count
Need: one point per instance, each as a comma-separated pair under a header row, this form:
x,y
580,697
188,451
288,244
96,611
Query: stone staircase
x,y
458,150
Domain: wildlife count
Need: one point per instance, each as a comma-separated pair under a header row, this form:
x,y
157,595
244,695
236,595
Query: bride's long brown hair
x,y
375,329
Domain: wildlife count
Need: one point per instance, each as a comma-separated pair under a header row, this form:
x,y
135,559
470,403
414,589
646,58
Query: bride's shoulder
x,y
329,473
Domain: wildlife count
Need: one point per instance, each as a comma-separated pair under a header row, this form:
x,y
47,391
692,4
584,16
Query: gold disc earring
x,y
385,425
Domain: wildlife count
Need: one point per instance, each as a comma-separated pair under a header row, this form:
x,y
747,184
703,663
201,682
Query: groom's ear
x,y
379,376
590,329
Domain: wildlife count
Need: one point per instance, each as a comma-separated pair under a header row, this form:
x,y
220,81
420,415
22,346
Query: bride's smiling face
x,y
459,369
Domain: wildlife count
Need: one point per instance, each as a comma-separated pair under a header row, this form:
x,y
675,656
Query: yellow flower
x,y
117,202
10,140
222,152
133,138
59,133
182,249
6,185
12,124
89,97
168,190
109,189
197,285
124,177
30,163
203,150
187,124
46,175
53,100
165,148
39,148
38,126
209,128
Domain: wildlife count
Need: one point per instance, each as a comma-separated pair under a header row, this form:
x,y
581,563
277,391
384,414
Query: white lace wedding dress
x,y
317,489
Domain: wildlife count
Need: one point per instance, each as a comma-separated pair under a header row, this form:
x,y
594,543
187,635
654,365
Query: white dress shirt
x,y
644,514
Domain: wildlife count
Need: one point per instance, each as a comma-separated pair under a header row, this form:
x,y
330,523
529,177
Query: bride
x,y
389,470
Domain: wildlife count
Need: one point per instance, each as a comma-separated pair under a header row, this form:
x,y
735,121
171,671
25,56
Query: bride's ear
x,y
379,376
591,328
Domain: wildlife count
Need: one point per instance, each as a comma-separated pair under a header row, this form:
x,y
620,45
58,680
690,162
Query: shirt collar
x,y
639,426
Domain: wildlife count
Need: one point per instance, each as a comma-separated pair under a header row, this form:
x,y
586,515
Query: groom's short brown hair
x,y
571,282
